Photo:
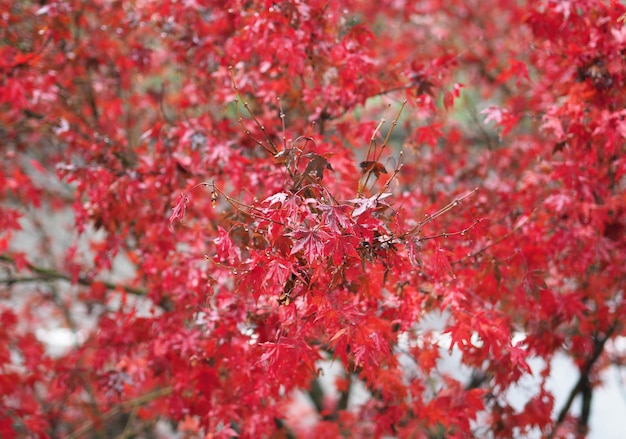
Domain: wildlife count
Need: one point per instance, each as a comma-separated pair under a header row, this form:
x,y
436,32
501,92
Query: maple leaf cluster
x,y
288,218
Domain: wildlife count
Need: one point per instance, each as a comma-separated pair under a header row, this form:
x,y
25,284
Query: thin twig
x,y
430,218
273,150
376,155
495,242
394,123
449,234
166,116
238,206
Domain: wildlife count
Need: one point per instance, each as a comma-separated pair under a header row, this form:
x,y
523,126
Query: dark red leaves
x,y
376,168
314,171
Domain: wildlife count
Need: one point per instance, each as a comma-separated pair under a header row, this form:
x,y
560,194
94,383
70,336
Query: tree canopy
x,y
221,201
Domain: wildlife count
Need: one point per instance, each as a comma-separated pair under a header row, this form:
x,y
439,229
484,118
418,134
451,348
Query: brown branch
x,y
316,393
284,428
120,408
394,89
48,274
583,384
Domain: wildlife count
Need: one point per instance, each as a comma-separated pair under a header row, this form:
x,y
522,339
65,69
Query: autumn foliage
x,y
248,215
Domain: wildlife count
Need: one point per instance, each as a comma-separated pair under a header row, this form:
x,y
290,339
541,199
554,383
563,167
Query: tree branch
x,y
120,408
583,384
284,428
48,274
316,393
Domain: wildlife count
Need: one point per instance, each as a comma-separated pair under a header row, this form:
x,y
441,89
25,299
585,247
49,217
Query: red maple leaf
x,y
178,211
311,242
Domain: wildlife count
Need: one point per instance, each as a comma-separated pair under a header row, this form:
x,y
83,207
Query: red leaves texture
x,y
372,249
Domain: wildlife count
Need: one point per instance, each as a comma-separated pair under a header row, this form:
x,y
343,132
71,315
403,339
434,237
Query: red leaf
x,y
429,134
448,100
336,218
178,211
311,242
442,263
518,358
21,261
37,166
364,204
226,250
